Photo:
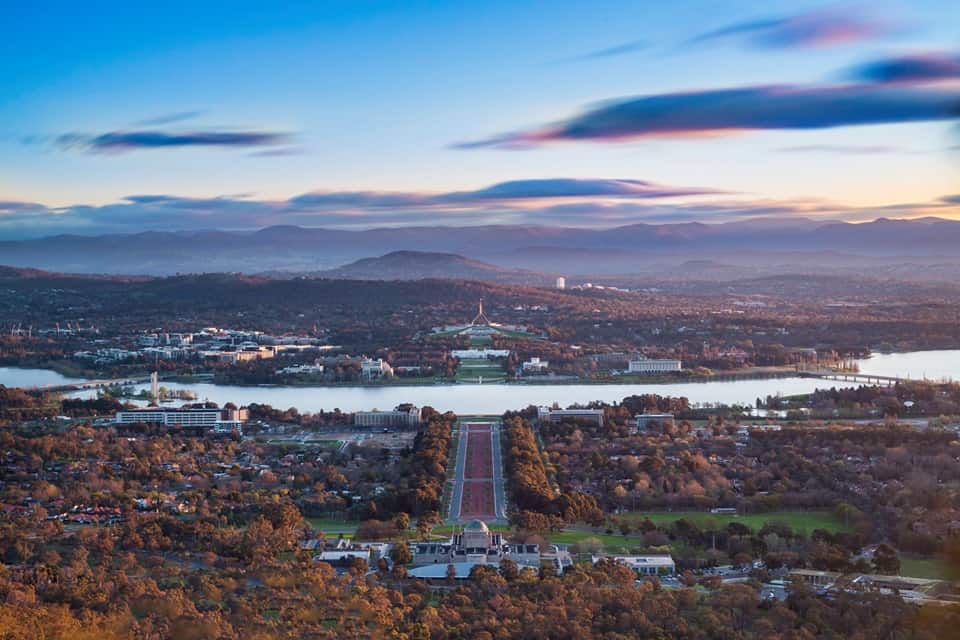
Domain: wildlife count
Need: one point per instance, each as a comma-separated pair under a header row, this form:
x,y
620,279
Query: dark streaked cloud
x,y
822,28
741,109
951,199
572,188
922,67
124,141
503,192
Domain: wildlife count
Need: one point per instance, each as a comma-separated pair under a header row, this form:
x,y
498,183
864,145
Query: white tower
x,y
561,283
154,387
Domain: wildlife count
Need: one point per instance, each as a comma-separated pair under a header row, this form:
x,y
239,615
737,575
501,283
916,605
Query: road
x,y
478,490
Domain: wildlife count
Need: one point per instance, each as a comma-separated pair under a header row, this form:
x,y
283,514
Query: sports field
x,y
805,521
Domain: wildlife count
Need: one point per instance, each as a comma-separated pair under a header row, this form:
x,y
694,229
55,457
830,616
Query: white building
x,y
535,365
217,419
644,565
300,369
397,418
650,365
561,283
372,369
479,354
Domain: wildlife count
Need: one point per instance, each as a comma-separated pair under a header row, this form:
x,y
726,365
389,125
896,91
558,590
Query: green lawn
x,y
924,568
329,526
610,542
805,521
472,368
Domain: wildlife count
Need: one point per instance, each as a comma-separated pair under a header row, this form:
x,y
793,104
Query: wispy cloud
x,y
621,49
132,140
169,118
820,28
726,111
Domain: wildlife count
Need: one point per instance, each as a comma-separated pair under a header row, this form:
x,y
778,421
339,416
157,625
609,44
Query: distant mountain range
x,y
927,248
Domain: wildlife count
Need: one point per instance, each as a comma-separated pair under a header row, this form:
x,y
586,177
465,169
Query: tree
x,y
426,523
402,521
400,553
885,559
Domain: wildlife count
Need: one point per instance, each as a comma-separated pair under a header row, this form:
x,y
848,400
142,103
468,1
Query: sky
x,y
119,117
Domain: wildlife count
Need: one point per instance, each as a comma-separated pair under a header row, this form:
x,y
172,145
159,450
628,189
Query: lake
x,y
496,398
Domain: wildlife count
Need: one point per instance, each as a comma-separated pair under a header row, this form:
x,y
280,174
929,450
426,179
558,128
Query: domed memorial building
x,y
476,544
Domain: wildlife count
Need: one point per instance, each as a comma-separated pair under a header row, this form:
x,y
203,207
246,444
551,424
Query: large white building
x,y
478,354
644,565
217,419
651,365
535,365
372,369
397,418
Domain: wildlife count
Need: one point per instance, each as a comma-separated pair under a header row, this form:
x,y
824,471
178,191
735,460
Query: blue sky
x,y
228,114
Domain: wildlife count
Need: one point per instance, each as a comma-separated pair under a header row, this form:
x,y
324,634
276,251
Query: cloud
x,y
924,67
821,28
742,109
279,152
572,188
623,49
169,118
512,191
582,203
18,206
124,141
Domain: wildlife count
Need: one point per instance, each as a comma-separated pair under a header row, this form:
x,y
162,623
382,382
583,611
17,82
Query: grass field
x,y
333,526
805,521
934,568
610,542
471,369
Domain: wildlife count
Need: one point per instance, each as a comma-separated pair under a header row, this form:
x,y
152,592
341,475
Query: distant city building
x,y
300,369
478,354
644,565
535,365
650,365
373,369
397,418
480,326
558,415
646,420
561,283
217,419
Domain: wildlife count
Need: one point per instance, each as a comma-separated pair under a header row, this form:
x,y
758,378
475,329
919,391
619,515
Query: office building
x,y
650,365
397,418
216,419
559,415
